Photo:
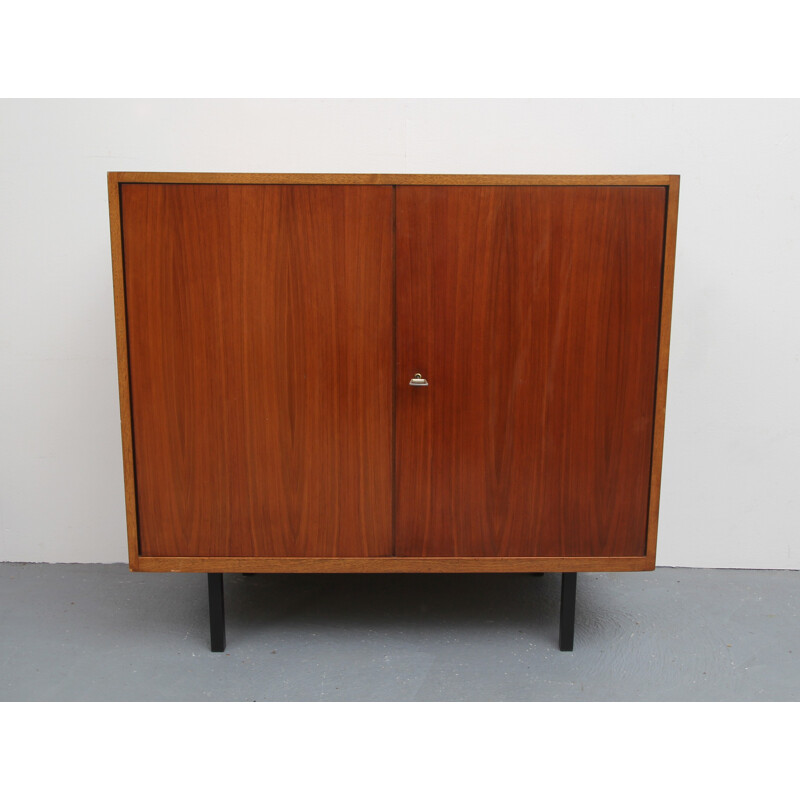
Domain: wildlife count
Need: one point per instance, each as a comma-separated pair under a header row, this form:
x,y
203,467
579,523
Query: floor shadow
x,y
393,602
349,604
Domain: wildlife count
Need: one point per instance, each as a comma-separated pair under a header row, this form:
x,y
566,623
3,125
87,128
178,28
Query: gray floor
x,y
99,632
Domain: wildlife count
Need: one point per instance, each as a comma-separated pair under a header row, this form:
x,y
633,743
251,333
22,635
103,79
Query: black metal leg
x,y
216,612
566,633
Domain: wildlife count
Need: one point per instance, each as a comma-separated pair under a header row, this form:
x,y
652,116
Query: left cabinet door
x,y
260,337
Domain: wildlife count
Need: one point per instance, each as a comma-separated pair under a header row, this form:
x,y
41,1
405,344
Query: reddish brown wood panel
x,y
260,322
533,312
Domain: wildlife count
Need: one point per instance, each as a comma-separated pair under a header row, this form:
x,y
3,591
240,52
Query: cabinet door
x,y
533,314
260,323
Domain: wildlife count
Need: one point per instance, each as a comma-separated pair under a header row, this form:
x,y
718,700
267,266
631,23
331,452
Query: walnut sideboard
x,y
392,373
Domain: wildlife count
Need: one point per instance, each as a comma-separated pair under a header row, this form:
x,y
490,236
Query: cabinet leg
x,y
566,633
216,612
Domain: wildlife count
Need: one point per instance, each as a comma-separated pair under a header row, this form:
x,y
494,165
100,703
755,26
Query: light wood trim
x,y
179,564
396,180
670,240
122,369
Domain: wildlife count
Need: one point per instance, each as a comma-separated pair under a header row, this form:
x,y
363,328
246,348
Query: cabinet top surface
x,y
402,179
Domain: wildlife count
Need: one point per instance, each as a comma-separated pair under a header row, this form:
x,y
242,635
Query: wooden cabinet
x,y
269,328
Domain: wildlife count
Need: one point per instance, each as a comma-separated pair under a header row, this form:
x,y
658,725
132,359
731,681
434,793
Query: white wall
x,y
731,476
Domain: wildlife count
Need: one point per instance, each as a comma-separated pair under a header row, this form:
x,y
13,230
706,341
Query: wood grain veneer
x,y
284,559
260,347
533,314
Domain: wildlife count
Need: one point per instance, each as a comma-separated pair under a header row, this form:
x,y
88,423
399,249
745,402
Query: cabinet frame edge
x,y
121,325
662,365
390,180
393,564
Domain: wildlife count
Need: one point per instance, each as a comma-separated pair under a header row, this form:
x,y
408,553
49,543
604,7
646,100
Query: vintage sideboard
x,y
392,373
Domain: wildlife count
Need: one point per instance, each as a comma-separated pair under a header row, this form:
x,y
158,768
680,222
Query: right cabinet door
x,y
533,314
